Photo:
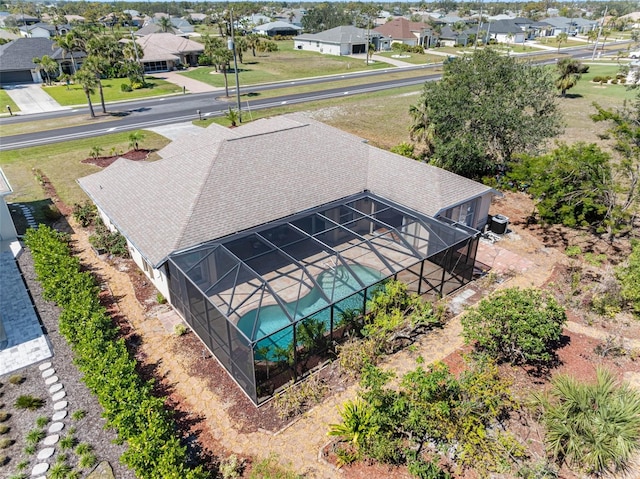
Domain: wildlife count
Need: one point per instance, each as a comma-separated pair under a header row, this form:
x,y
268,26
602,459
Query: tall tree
x,y
87,79
165,24
69,45
560,39
570,71
324,16
486,108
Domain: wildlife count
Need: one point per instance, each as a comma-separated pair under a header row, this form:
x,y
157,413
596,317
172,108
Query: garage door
x,y
18,76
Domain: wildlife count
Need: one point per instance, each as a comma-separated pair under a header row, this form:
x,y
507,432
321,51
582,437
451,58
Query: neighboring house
x,y
249,231
165,51
7,35
569,25
502,31
16,59
44,30
7,229
177,23
272,29
195,17
345,40
401,30
17,19
74,18
452,38
152,28
256,19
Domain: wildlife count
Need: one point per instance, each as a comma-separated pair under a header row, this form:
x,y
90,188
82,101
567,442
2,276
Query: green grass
x,y
74,95
285,64
61,163
5,100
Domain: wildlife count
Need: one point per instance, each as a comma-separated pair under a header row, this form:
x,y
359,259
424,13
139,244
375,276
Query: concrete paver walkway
x,y
32,98
191,85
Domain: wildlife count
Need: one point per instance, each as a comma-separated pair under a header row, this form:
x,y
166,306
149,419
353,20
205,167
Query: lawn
x,y
285,64
61,163
74,95
415,58
5,100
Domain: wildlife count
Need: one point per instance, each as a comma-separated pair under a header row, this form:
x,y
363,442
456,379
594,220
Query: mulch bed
x,y
104,161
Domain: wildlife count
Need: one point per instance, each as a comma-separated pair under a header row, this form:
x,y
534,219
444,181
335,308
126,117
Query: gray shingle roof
x,y
341,35
19,54
227,180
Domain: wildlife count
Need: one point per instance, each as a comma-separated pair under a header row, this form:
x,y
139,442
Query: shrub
x,y
83,448
4,415
68,442
59,470
575,414
6,442
516,325
3,460
161,299
29,402
35,436
87,460
42,421
629,276
85,214
110,241
180,329
298,397
30,449
109,372
17,379
78,414
4,428
125,87
231,467
596,79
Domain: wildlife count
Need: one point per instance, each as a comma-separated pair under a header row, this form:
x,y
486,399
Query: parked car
x,y
635,54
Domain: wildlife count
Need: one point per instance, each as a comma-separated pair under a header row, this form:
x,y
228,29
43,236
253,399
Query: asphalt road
x,y
161,111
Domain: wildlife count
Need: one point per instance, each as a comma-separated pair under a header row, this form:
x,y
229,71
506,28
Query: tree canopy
x,y
486,108
572,185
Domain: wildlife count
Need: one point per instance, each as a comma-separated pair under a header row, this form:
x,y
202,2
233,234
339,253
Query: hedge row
x,y
139,418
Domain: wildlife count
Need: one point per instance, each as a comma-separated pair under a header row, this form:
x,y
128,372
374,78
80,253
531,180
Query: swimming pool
x,y
271,318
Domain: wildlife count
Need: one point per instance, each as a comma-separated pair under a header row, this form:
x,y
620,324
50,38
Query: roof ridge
x,y
264,133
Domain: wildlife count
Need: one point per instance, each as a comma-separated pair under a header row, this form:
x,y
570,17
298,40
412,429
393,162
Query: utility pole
x,y
231,45
595,47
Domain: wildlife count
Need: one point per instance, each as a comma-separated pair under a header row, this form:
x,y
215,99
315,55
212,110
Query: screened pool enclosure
x,y
271,301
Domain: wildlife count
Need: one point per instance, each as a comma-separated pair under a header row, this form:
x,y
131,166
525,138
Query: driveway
x,y
32,98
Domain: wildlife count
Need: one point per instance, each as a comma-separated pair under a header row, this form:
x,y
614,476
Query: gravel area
x,y
89,430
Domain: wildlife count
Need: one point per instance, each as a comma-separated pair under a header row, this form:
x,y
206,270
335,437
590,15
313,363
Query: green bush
x,y
109,241
29,402
629,276
42,421
4,428
35,436
85,214
516,325
125,87
6,442
140,419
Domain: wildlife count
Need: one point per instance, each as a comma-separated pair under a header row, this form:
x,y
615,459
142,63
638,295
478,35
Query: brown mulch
x,y
104,161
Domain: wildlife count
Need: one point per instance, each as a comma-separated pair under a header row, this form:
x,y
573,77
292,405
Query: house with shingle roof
x,y
401,30
272,29
44,30
16,59
248,232
165,51
344,40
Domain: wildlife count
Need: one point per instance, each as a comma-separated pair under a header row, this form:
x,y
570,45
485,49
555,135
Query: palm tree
x,y
165,24
561,38
253,41
422,129
48,66
592,35
97,65
221,58
87,79
595,427
569,72
68,45
135,137
232,116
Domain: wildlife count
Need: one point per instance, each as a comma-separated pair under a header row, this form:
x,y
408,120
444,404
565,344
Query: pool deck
x,y
22,341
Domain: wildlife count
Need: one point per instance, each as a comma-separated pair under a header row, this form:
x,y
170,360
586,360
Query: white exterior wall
x,y
314,46
483,211
7,228
159,278
504,38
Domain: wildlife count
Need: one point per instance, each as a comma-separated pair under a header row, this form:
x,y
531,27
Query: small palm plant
x,y
357,423
233,116
594,427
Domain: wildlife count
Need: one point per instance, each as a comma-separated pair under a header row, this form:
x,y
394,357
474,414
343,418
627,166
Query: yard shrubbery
x,y
140,419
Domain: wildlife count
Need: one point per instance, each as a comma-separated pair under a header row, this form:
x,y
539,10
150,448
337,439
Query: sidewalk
x,y
191,85
32,98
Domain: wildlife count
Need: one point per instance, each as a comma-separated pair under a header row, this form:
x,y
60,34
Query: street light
x,y
231,45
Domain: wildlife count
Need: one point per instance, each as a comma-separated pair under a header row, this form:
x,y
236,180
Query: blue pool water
x,y
271,318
